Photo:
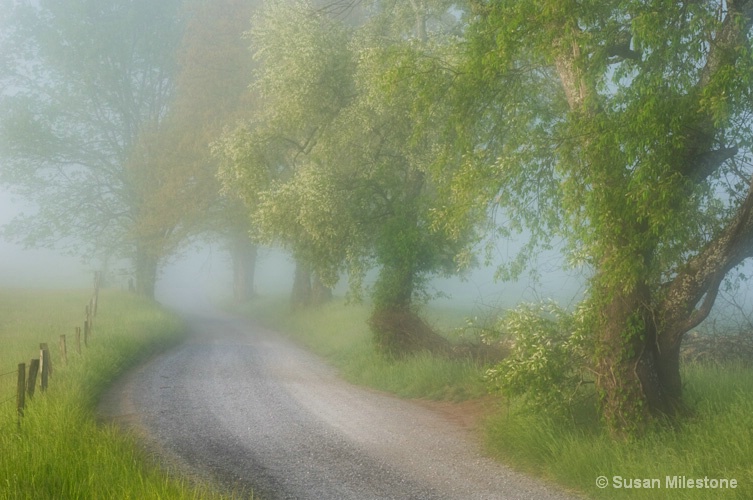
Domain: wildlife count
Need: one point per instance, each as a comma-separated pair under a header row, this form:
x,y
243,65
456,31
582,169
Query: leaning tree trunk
x,y
688,299
640,330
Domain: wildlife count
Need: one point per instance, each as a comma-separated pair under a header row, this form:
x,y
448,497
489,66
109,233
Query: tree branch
x,y
623,51
734,28
707,163
703,275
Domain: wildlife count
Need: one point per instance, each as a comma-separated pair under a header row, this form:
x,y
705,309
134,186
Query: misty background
x,y
206,268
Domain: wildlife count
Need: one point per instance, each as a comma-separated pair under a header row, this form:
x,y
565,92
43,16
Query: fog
x,y
201,275
205,269
36,268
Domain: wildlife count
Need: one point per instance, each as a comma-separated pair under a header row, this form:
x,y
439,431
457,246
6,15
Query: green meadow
x,y
60,450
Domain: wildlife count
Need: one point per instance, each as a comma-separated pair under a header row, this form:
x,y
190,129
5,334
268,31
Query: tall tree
x,y
348,182
385,144
212,95
646,139
85,87
302,81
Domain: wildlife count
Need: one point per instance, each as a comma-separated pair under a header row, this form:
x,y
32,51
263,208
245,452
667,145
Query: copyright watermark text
x,y
667,482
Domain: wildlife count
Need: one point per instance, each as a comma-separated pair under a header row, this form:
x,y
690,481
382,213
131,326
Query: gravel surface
x,y
247,408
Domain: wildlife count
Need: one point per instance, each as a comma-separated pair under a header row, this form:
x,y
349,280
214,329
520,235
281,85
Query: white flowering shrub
x,y
548,356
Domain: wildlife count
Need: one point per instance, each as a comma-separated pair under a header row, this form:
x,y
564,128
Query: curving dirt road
x,y
249,409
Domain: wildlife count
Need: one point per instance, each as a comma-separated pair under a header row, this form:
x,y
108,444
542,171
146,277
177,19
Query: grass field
x,y
715,442
59,450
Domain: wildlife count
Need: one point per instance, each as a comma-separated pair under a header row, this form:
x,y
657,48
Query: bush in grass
x,y
548,356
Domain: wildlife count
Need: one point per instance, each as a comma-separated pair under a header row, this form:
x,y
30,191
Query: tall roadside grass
x,y
339,333
715,442
59,450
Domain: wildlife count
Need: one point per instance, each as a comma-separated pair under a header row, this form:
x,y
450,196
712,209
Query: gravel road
x,y
247,408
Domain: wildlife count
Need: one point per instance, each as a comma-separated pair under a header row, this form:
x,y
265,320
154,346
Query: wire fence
x,y
7,375
39,370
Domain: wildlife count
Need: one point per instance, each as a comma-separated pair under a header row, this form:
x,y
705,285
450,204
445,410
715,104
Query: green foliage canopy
x,y
337,167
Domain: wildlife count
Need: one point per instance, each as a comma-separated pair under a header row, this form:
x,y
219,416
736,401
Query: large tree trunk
x,y
396,328
244,254
639,325
320,293
300,296
640,331
622,362
146,266
638,364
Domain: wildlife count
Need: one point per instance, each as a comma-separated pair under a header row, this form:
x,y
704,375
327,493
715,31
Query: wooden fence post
x,y
89,320
97,280
32,381
63,349
86,333
78,339
21,391
45,365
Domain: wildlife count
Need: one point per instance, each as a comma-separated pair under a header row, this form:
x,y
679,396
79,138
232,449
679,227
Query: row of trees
x,y
107,111
392,135
620,126
335,165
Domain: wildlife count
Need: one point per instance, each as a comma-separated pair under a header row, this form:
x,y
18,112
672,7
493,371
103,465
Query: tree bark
x,y
146,266
320,293
688,299
622,363
300,296
244,253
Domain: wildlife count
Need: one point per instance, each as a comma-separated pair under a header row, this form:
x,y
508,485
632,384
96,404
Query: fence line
x,y
42,366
